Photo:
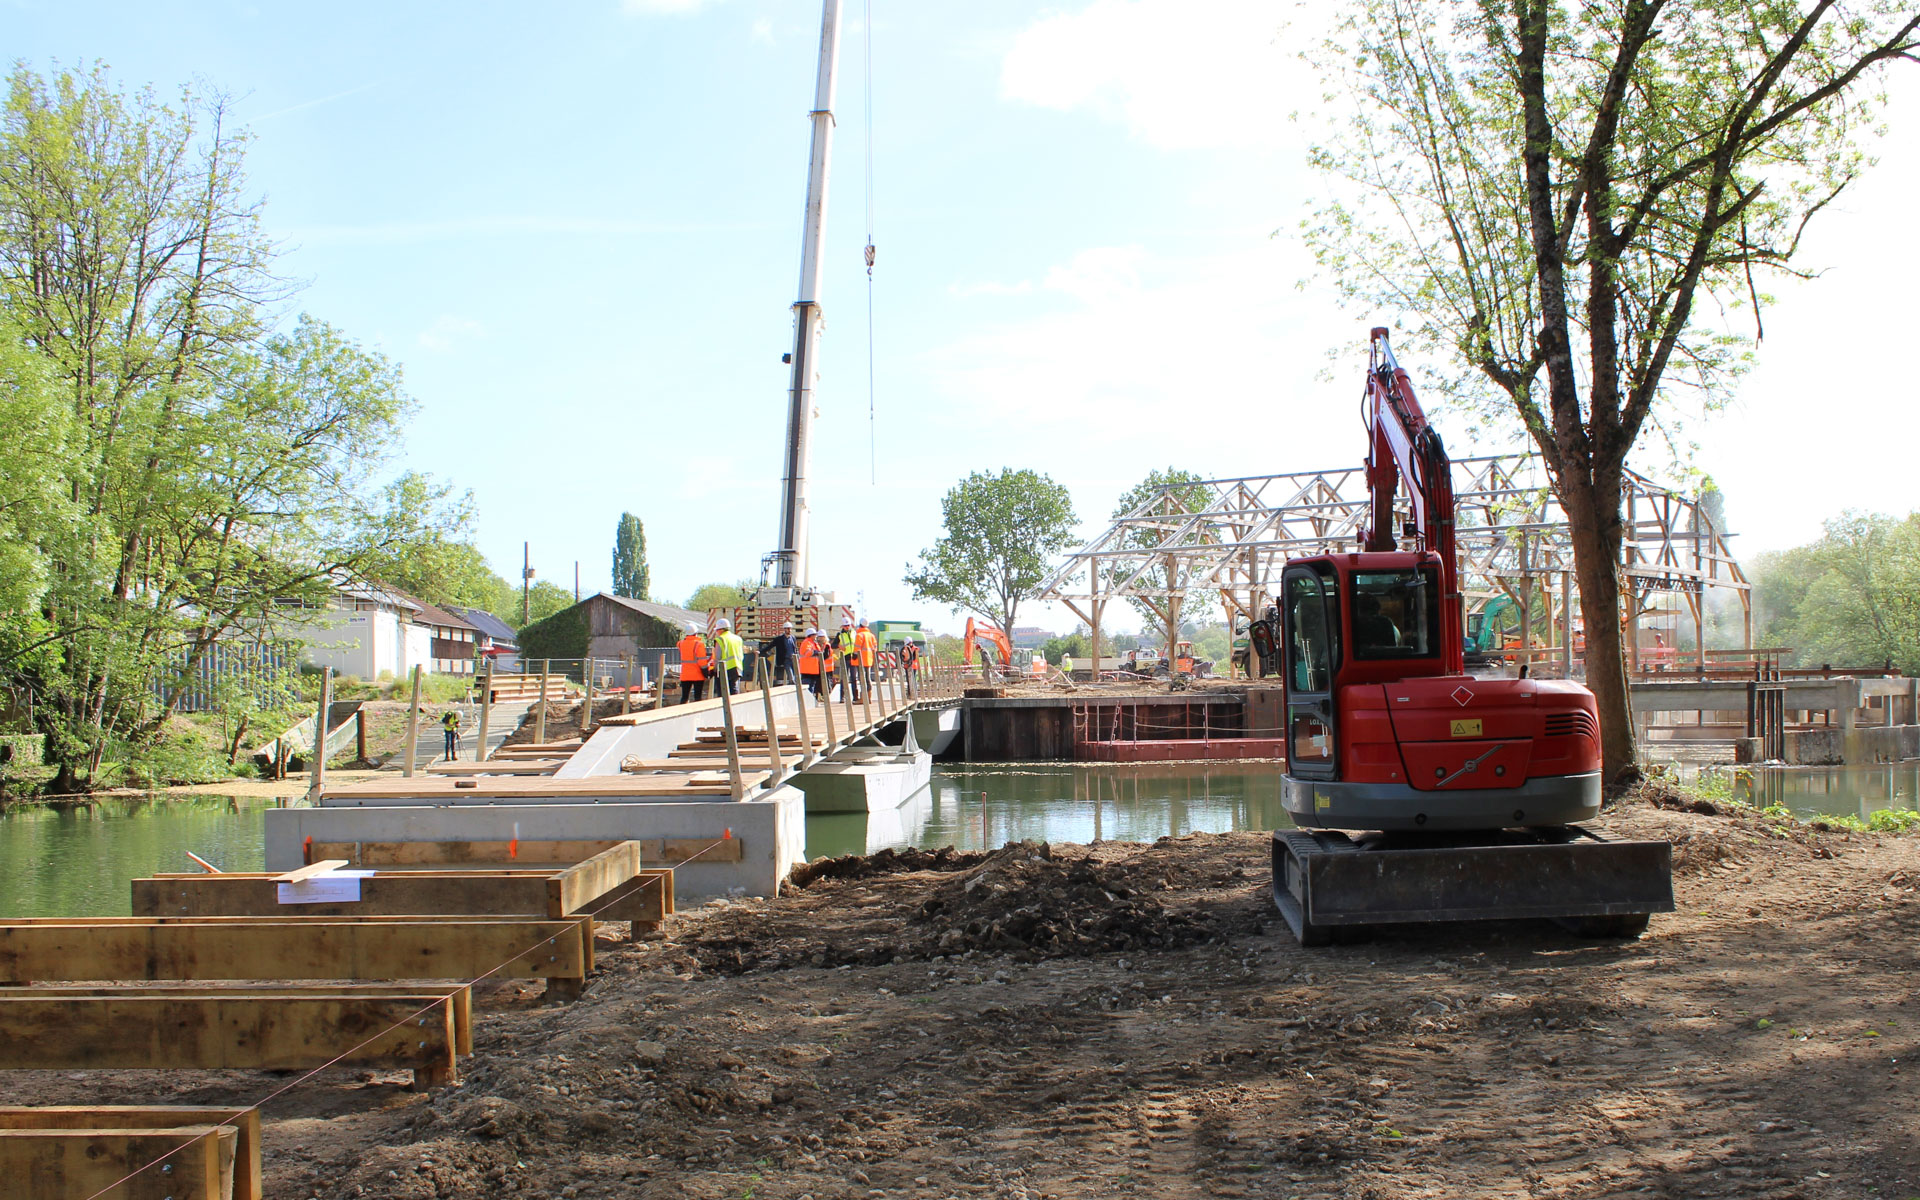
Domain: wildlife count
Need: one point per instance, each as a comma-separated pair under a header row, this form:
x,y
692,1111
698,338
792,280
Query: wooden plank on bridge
x,y
187,949
53,1029
245,1122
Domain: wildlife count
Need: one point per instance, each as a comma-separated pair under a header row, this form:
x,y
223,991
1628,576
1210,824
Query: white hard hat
x,y
692,628
787,625
723,623
813,633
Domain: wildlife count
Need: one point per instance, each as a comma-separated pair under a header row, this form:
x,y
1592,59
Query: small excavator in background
x,y
992,635
1466,792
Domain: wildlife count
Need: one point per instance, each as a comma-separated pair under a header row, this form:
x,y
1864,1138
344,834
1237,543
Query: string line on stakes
x,y
270,1097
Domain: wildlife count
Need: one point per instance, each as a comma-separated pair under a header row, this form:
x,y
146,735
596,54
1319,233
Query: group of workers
x,y
820,662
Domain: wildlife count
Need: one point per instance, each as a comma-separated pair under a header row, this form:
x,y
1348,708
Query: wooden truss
x,y
1233,537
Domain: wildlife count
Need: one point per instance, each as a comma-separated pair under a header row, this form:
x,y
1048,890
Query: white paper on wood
x,y
334,887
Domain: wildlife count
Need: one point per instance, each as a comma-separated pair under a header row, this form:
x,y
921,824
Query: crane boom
x,y
789,558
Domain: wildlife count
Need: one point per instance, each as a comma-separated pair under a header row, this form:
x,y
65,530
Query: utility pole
x,y
526,582
576,581
790,554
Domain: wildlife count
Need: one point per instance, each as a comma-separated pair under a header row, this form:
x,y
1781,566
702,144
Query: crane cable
x,y
873,452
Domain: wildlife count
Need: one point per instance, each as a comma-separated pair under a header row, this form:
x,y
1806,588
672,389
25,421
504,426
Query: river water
x,y
76,861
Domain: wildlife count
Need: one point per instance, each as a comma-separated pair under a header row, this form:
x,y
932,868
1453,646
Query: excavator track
x,y
1326,883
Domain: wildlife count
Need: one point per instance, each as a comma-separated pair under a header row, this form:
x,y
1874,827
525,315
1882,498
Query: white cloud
x,y
641,8
447,330
1180,74
1145,354
990,287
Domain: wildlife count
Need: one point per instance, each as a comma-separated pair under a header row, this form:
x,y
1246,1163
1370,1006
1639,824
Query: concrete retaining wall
x,y
772,832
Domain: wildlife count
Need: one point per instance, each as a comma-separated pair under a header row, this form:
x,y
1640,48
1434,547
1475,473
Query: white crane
x,y
785,568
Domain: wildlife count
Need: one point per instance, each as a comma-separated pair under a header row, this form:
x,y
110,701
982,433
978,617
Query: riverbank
x,y
1120,1019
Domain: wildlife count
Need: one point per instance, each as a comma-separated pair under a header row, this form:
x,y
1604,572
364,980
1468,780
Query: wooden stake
x,y
320,735
413,726
774,761
846,695
827,704
807,756
486,712
360,734
586,705
540,722
626,702
739,788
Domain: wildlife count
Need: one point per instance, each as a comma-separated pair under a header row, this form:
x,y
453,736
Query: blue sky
x,y
577,226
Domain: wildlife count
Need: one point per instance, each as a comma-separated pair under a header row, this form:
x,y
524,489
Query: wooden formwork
x,y
73,1152
609,885
187,949
420,1028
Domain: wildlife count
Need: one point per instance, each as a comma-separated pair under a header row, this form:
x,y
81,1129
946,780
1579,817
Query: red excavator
x,y
1467,792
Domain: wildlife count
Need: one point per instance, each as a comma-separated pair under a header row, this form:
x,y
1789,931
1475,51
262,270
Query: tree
x,y
1852,598
630,558
720,595
210,462
1520,174
544,598
443,570
1000,531
1157,508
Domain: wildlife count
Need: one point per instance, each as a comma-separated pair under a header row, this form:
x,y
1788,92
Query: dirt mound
x,y
1661,794
1022,900
884,862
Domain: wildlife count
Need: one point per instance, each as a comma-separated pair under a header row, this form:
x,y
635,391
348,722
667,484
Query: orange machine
x,y
992,635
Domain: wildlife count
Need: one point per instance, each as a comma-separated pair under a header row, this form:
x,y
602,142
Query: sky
x,y
577,226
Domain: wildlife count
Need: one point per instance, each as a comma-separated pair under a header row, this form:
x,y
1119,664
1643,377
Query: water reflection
x,y
975,808
78,859
1858,791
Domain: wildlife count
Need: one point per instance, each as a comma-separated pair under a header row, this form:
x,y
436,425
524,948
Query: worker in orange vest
x,y
696,663
809,657
829,666
910,666
869,651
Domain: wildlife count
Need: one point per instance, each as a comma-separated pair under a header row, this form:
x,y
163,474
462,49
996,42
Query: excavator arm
x,y
1405,446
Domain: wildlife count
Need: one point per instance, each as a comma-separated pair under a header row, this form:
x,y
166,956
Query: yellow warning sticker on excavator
x,y
1466,728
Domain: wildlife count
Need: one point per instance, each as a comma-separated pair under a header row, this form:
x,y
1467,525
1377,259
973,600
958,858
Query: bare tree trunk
x,y
1593,522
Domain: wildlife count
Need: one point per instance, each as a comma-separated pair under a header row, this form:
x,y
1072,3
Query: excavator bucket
x,y
1326,881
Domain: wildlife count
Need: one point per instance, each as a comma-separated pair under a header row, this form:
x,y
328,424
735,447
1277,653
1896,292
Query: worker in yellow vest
x,y
847,646
732,653
450,724
695,662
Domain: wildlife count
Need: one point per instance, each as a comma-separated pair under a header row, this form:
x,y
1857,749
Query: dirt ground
x,y
1128,1020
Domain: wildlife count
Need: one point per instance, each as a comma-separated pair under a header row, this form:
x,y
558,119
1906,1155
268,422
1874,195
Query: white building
x,y
369,632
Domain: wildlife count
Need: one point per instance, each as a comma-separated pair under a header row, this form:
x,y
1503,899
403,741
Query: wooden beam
x,y
77,1164
302,874
575,888
247,948
245,1122
286,1030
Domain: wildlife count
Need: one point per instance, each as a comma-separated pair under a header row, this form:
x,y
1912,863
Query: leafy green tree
x,y
1074,643
720,595
544,599
1519,174
1155,510
630,558
1851,599
210,464
1000,532
443,570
